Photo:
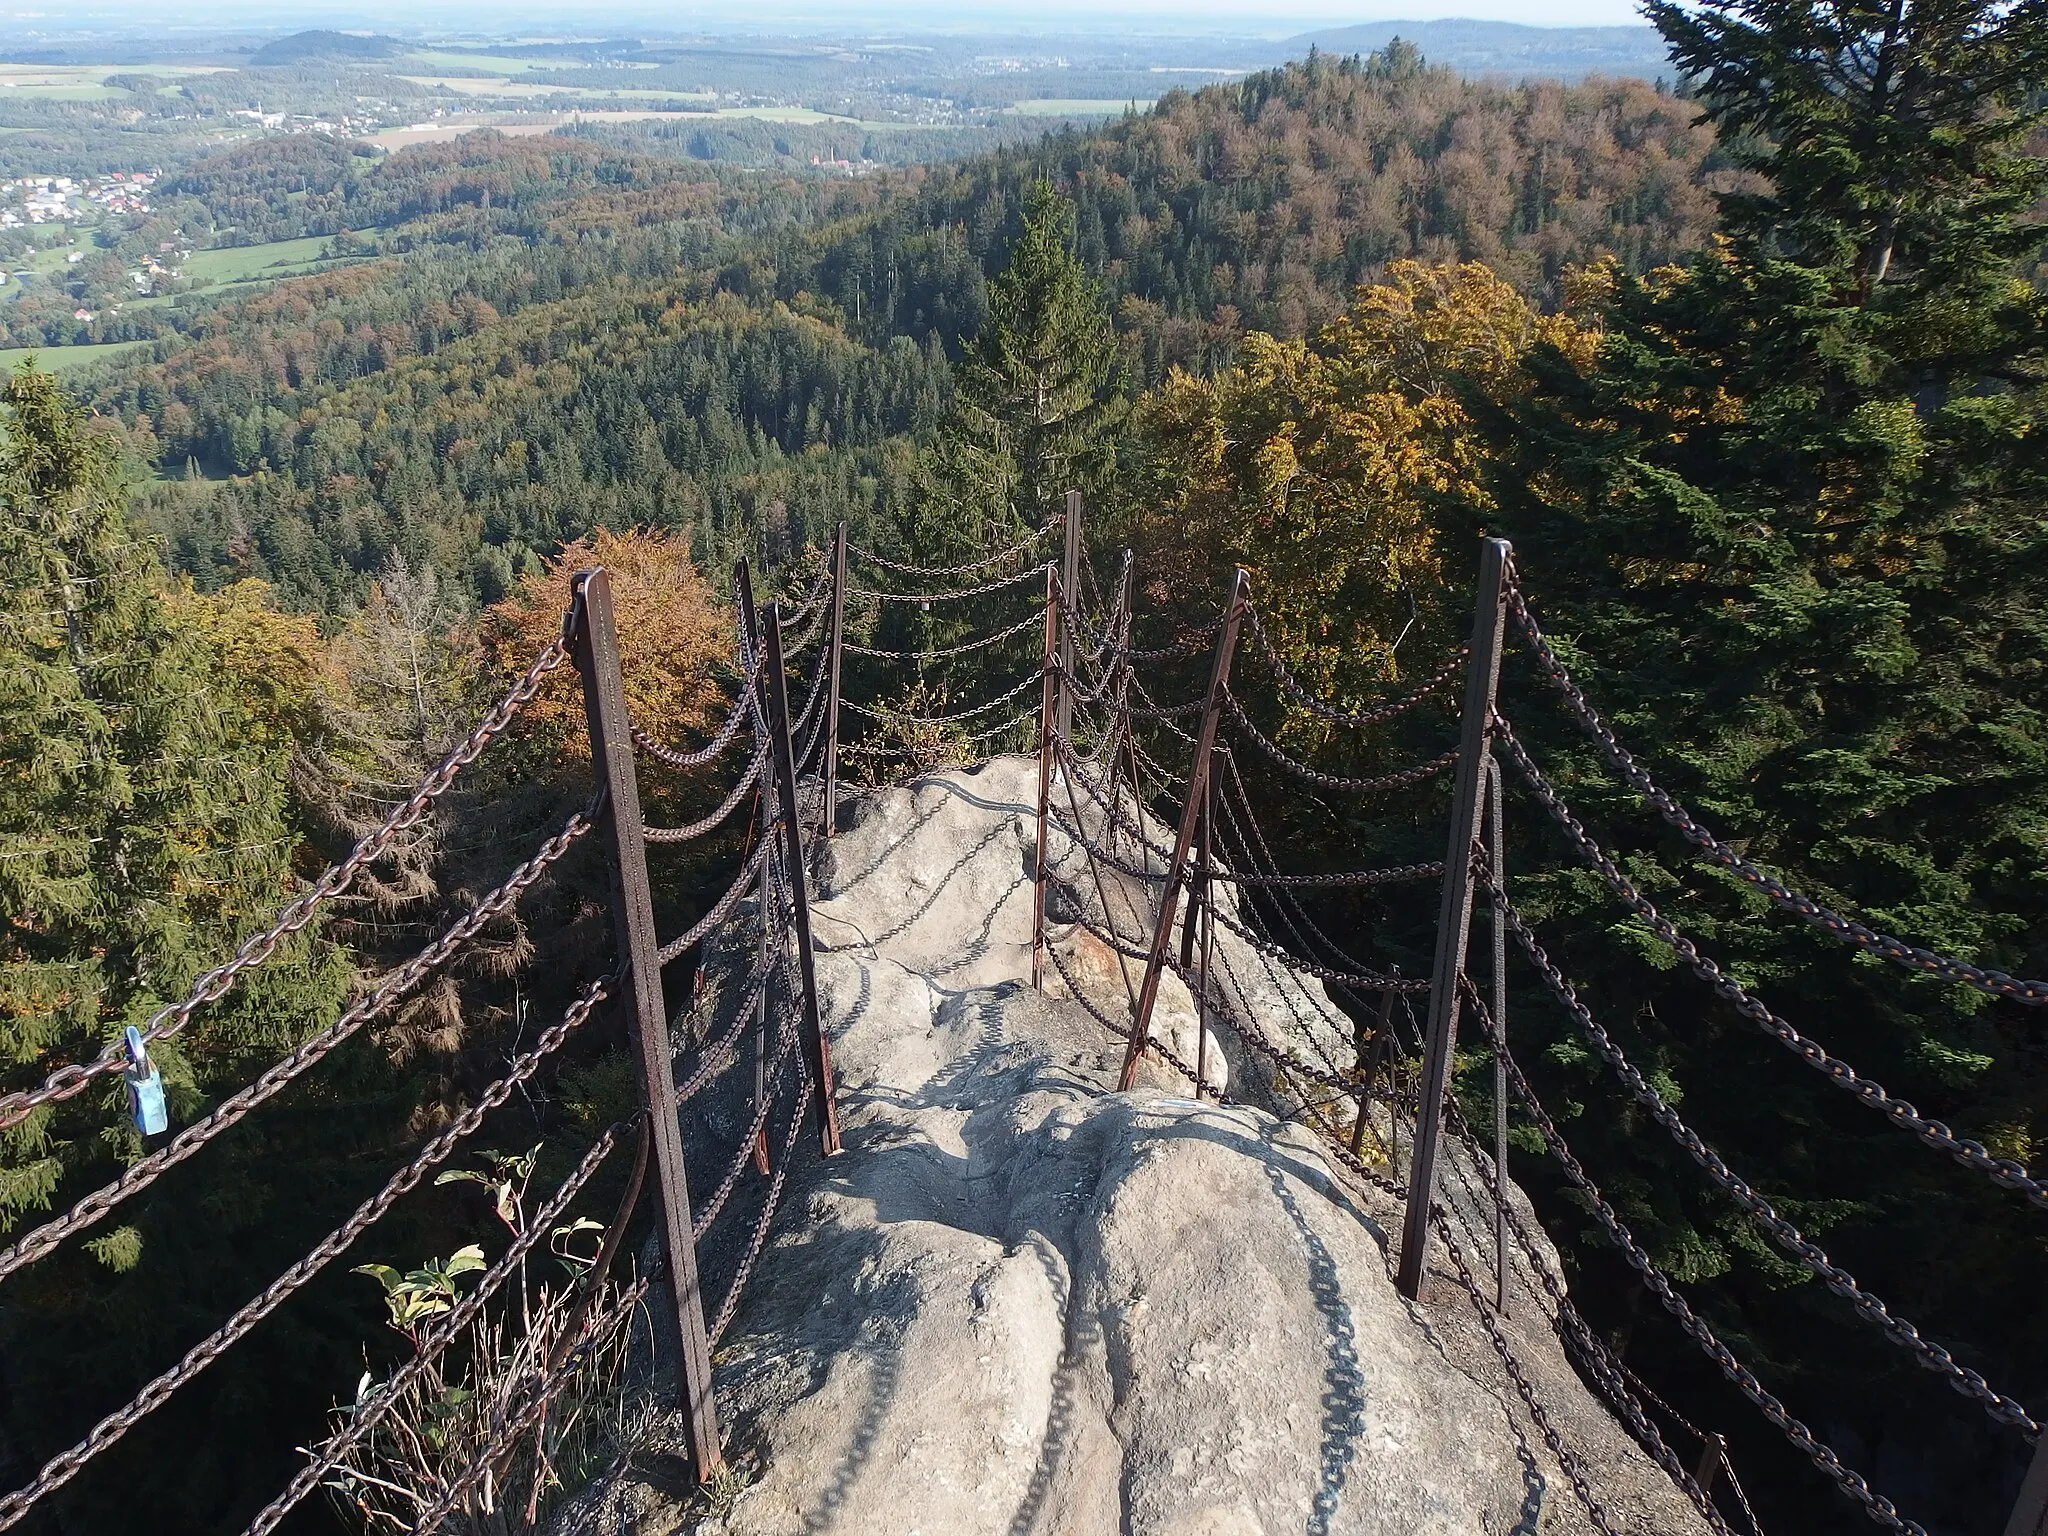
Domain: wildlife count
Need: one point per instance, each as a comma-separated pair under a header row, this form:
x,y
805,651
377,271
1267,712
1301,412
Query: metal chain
x,y
1558,1450
2002,1171
1301,770
231,1111
1029,621
697,829
69,1081
434,1342
1879,1508
737,718
717,1058
731,1304
925,599
891,716
1911,957
717,914
1356,719
1928,1355
785,1050
970,567
64,1466
1577,1334
1365,981
1395,875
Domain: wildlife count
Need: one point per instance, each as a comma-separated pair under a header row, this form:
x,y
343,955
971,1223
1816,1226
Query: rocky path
x,y
1020,1302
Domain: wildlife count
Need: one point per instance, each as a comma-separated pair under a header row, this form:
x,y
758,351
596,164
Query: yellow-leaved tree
x,y
1328,467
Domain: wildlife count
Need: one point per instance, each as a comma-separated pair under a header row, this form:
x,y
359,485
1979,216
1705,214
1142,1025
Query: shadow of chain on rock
x,y
1343,1400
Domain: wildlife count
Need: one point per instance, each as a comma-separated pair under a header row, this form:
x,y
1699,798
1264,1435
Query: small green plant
x,y
446,1417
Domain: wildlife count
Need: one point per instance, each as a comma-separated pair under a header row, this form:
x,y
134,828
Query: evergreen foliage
x,y
1789,528
1037,392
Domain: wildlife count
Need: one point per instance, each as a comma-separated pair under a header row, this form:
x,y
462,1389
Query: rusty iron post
x,y
817,1050
596,648
1070,593
1368,1048
1454,914
1048,734
1496,869
2030,1510
1208,958
1183,842
830,824
1713,1456
749,648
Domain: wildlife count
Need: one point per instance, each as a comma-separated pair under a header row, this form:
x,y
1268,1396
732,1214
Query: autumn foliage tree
x,y
1324,467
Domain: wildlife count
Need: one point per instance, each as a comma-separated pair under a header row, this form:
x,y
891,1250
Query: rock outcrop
x,y
1022,1302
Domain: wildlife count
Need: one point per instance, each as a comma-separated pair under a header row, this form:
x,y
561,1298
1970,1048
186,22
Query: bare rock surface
x,y
1022,1302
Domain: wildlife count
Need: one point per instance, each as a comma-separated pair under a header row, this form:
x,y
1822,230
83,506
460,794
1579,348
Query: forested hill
x,y
566,335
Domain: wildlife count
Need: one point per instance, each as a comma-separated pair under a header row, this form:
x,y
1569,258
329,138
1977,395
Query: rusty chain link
x,y
231,1111
785,1052
1879,1508
691,831
70,1080
1029,621
1356,719
926,599
1928,1355
969,569
2002,1171
1578,1336
1913,958
1301,770
64,1466
1564,1457
783,1162
735,720
434,1341
885,716
720,908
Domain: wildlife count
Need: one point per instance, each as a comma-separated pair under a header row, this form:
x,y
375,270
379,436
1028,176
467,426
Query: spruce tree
x,y
1790,529
1038,394
145,829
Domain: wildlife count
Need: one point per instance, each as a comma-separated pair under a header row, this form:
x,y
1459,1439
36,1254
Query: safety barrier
x,y
1103,739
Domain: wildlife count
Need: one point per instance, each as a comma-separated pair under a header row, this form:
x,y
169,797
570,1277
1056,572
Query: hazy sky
x,y
1248,17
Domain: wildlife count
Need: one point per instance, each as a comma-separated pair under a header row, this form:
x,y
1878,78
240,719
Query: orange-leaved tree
x,y
675,648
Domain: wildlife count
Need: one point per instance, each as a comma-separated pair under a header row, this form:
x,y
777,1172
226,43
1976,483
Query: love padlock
x,y
145,1088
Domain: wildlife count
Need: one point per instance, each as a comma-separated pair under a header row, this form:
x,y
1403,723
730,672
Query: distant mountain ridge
x,y
301,46
1505,48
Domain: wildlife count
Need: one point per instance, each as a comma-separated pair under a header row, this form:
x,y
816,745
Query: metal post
x,y
817,1051
596,641
831,822
2030,1510
1208,933
1454,915
1713,1455
1070,590
1047,735
1176,869
750,647
1368,1051
1496,868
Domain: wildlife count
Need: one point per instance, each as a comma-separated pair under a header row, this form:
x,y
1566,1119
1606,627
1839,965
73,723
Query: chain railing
x,y
1105,742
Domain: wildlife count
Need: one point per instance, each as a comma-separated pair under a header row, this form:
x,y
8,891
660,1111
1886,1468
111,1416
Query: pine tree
x,y
1038,394
1790,527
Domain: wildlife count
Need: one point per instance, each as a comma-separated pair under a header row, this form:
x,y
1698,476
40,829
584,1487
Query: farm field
x,y
67,359
244,263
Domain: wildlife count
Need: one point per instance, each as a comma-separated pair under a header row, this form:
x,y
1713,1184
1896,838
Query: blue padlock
x,y
145,1088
